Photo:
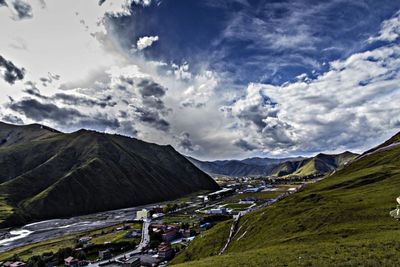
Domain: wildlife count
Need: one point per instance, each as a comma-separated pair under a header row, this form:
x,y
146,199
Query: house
x,y
185,232
169,235
70,261
18,264
165,252
218,211
105,254
143,214
84,239
159,227
7,263
132,262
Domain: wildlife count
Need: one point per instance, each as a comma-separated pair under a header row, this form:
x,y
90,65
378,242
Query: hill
x,y
318,165
46,174
342,220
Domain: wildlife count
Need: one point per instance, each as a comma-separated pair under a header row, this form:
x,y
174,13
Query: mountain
x,y
46,174
342,220
318,165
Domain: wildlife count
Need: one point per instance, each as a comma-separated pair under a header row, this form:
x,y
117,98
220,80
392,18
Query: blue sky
x,y
255,41
216,79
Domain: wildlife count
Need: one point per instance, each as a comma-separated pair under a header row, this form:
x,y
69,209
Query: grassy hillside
x,y
341,221
318,165
56,175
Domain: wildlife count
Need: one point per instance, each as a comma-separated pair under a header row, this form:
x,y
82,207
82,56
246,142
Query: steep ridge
x,y
342,220
86,172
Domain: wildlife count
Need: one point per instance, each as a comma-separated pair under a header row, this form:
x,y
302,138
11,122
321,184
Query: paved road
x,y
144,242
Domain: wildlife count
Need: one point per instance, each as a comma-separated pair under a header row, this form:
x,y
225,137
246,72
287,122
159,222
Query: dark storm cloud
x,y
38,111
11,72
185,142
155,103
69,99
246,146
23,9
149,88
83,101
190,103
12,119
152,117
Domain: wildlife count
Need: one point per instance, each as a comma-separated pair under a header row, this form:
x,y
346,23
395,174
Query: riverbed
x,y
49,229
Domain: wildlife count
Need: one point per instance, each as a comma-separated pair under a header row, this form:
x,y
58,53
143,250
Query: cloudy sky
x,y
214,78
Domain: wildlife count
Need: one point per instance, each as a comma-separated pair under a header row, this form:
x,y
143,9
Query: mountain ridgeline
x,y
47,174
301,167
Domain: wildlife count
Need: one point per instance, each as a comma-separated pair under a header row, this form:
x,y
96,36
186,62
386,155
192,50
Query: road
x,y
144,242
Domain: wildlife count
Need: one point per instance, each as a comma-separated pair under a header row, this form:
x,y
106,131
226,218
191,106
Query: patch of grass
x,y
208,243
259,195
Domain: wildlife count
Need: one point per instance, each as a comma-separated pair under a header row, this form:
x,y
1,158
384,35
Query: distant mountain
x,y
342,220
320,164
46,174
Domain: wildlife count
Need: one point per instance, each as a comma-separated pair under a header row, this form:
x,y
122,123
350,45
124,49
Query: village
x,y
155,234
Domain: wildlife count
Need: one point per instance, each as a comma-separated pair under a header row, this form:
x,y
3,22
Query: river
x,y
44,230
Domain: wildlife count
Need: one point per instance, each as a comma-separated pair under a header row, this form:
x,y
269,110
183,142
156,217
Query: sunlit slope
x,y
343,220
318,165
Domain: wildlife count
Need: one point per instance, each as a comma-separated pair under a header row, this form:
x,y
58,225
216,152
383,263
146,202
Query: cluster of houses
x,y
170,233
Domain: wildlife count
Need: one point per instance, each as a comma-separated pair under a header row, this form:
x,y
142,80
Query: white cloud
x,y
146,41
348,107
390,30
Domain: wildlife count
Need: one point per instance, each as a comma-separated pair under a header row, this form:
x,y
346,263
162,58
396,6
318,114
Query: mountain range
x,y
342,220
47,174
299,166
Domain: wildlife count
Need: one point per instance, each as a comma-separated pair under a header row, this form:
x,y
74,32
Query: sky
x,y
216,79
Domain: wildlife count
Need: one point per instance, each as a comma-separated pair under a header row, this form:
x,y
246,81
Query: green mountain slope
x,y
342,220
51,174
319,165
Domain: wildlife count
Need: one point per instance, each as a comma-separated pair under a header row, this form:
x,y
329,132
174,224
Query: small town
x,y
154,235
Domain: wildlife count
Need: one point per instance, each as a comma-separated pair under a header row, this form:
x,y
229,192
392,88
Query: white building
x,y
142,214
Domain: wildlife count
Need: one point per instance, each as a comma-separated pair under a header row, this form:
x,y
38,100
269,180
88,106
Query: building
x,y
185,232
165,252
16,264
221,193
105,254
84,239
142,214
220,211
169,235
132,262
252,190
71,262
